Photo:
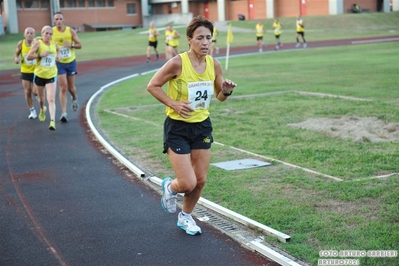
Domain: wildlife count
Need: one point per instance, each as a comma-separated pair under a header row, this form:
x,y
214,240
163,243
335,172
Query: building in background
x,y
98,15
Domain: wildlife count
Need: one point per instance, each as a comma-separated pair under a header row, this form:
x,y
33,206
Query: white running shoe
x,y
187,223
32,114
75,104
305,45
168,199
297,45
260,50
64,117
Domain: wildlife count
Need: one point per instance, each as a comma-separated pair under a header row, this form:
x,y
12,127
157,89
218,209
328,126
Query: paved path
x,y
64,202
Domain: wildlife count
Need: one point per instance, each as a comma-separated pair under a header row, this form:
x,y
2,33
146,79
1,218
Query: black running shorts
x,y
181,137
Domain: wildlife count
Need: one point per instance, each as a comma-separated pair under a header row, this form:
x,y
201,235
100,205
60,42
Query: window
x,y
19,5
62,3
131,9
91,3
44,3
110,3
81,3
100,3
31,4
71,3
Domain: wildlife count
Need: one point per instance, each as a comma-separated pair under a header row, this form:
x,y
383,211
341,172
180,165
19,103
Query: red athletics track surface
x,y
64,202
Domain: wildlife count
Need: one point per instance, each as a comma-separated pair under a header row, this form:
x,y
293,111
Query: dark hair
x,y
58,13
198,21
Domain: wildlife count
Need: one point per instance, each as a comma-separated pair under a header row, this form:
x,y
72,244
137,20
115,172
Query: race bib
x,y
48,61
200,94
65,52
29,62
276,29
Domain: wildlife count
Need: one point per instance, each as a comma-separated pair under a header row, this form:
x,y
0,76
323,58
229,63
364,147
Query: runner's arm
x,y
18,52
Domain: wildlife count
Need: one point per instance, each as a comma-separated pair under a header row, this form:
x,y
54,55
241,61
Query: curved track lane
x,y
62,202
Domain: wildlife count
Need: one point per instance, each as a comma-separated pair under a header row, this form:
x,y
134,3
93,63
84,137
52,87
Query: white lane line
x,y
376,40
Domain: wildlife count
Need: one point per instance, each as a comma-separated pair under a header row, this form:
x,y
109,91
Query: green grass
x,y
126,43
317,212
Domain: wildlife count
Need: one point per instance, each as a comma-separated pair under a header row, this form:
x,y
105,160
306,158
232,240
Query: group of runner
x,y
171,41
45,61
277,30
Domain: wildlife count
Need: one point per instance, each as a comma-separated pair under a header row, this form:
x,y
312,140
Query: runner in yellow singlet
x,y
193,77
277,28
152,41
46,53
68,41
172,40
259,31
300,31
214,40
27,68
168,32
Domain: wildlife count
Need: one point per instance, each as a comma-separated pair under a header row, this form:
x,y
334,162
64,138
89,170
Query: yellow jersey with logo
x,y
27,66
259,30
277,28
194,87
151,35
299,27
46,67
171,38
67,54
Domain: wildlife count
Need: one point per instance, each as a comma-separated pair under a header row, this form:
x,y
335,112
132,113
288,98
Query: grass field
x,y
359,213
126,43
318,212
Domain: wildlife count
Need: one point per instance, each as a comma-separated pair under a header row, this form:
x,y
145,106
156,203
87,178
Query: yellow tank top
x,y
299,28
46,67
214,34
67,54
197,88
277,28
173,41
259,30
27,66
167,34
151,36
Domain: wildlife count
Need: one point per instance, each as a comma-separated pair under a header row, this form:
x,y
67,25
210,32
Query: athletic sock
x,y
185,214
171,191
